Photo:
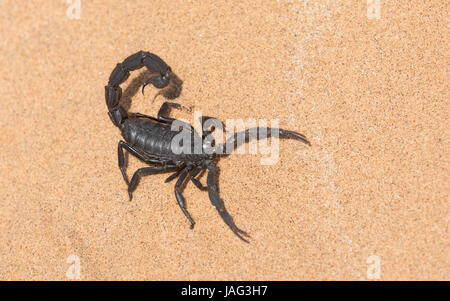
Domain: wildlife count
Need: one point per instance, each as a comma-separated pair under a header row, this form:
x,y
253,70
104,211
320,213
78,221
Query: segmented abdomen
x,y
154,139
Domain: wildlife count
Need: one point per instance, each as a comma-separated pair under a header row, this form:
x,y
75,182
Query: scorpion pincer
x,y
150,138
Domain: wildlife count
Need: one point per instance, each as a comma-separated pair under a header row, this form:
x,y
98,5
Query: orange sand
x,y
370,94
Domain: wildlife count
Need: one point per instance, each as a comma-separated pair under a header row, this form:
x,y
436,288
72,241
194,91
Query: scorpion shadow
x,y
172,91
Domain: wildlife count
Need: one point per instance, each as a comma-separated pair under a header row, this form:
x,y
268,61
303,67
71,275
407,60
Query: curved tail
x,y
162,77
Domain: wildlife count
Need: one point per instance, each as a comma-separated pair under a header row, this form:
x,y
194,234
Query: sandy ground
x,y
368,200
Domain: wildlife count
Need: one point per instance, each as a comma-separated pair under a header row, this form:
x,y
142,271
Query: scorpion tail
x,y
161,78
218,203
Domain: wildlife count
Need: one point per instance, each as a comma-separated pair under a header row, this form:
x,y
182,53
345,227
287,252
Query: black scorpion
x,y
149,138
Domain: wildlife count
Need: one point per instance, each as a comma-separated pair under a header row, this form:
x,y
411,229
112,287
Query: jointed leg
x,y
163,113
123,145
146,171
218,203
194,180
179,196
175,174
122,161
140,115
192,177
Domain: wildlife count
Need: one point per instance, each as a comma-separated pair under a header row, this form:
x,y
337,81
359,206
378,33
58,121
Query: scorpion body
x,y
155,140
150,138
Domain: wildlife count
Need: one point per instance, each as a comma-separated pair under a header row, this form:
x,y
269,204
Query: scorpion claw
x,y
294,135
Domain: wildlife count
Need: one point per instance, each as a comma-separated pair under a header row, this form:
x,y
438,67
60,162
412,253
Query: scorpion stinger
x,y
171,91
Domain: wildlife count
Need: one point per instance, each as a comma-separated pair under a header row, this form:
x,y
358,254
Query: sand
x,y
368,200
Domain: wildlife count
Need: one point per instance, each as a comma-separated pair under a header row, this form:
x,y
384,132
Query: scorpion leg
x,y
164,111
146,171
194,180
123,145
218,203
179,196
175,174
164,118
140,115
163,114
122,161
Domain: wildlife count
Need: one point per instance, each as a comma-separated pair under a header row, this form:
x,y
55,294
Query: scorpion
x,y
149,138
